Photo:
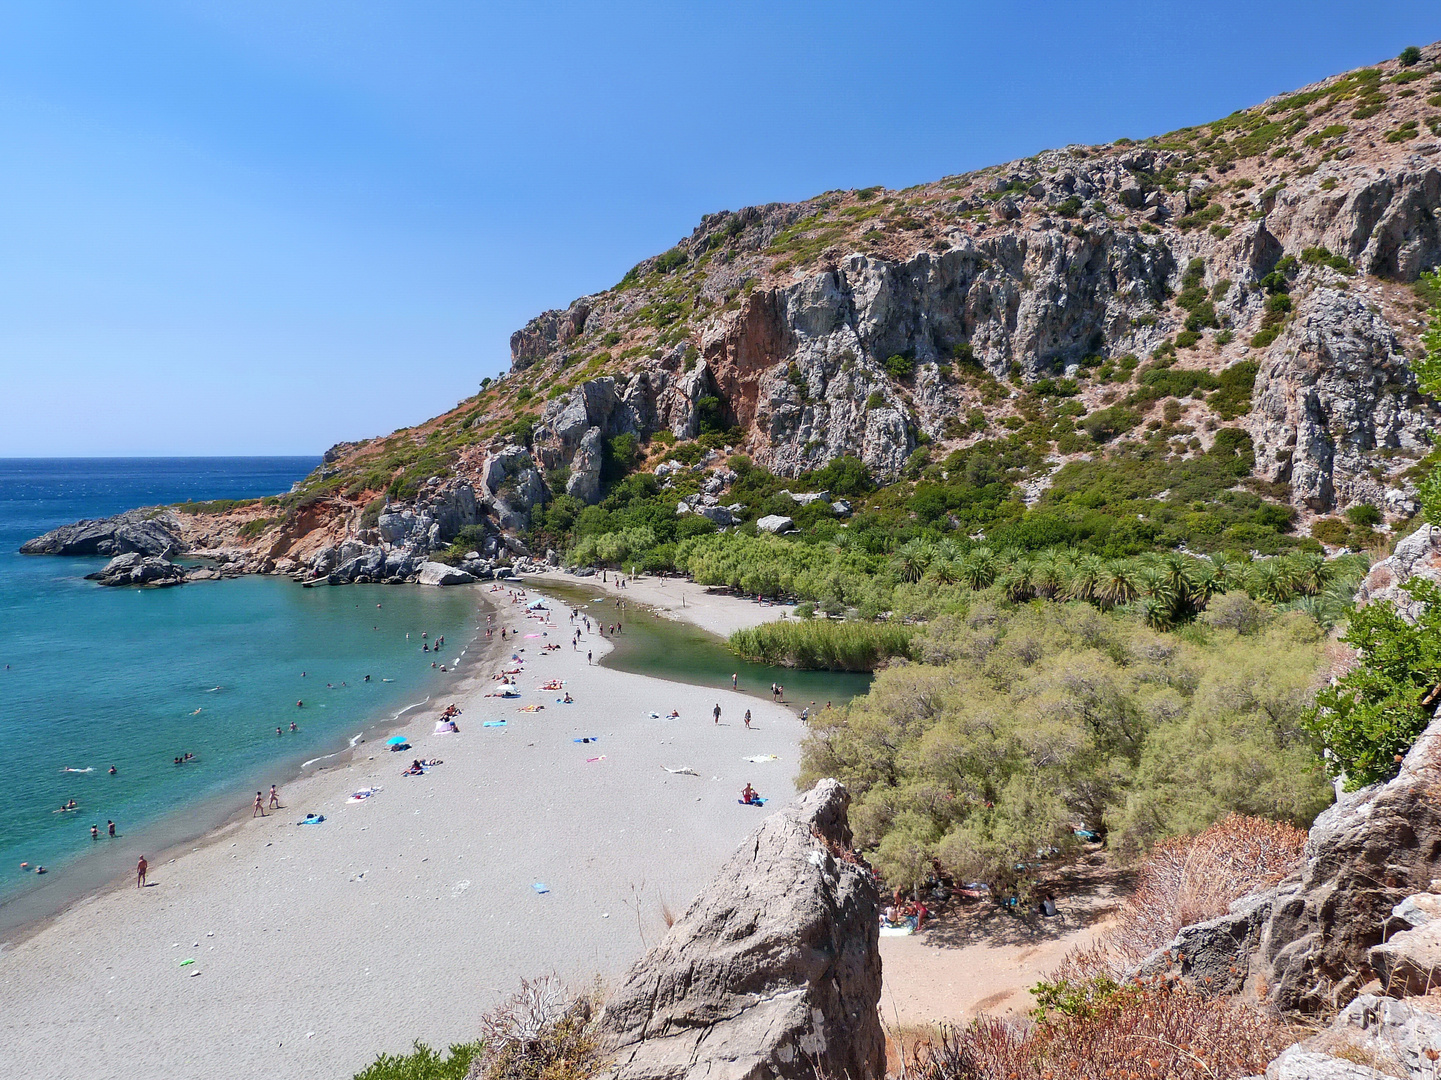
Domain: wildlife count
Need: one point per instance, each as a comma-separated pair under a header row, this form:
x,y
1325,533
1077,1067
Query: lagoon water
x,y
92,677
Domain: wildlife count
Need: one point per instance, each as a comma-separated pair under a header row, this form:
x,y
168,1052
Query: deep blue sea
x,y
92,677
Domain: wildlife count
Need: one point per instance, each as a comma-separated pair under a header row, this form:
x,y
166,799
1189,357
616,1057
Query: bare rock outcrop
x,y
773,972
1364,854
143,531
1418,555
134,568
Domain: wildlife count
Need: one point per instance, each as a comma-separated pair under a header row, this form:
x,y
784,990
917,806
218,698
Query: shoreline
x,y
405,915
93,875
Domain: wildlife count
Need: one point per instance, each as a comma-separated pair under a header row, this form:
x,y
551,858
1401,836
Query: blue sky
x,y
264,227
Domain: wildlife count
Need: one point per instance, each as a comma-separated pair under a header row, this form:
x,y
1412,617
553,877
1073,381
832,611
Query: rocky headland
x,y
1259,267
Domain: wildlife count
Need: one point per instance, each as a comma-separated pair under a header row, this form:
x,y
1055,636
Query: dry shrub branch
x,y
542,1032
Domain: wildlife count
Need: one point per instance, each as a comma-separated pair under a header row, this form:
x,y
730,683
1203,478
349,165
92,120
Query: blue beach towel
x,y
539,887
494,723
587,739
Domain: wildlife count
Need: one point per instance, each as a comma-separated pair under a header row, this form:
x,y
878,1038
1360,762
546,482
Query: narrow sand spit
x,y
677,598
405,915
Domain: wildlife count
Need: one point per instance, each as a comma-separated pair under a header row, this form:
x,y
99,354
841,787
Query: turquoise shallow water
x,y
133,678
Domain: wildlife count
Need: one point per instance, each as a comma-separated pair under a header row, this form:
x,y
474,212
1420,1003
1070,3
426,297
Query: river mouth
x,y
651,644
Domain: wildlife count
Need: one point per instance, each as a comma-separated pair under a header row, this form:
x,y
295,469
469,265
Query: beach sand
x,y
677,598
406,915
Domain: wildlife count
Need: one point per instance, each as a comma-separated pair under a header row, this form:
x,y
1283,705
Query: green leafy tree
x,y
1373,715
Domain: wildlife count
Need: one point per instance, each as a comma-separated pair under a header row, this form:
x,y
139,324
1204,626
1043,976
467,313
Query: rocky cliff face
x,y
869,322
773,972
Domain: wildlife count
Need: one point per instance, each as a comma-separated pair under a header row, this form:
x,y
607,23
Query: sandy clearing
x,y
677,598
406,915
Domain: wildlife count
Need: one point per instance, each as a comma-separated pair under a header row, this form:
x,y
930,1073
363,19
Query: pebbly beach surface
x,y
296,950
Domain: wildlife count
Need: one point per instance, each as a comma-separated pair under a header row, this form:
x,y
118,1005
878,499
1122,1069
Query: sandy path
x,y
406,915
985,960
677,598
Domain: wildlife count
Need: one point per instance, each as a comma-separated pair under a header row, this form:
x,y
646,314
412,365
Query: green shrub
x,y
1232,399
1410,56
821,644
1264,337
673,259
1332,531
1373,714
900,367
1363,514
1187,338
877,400
422,1064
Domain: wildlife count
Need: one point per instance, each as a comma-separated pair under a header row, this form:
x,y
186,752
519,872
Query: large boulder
x,y
1409,961
1371,847
133,568
773,972
140,531
436,573
775,523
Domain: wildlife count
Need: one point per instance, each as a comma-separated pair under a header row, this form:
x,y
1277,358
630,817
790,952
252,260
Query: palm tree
x,y
979,568
1047,574
1018,580
945,572
1085,579
1118,585
912,559
1313,573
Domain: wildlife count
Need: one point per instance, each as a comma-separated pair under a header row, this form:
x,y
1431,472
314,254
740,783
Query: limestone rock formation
x,y
134,568
136,530
1418,555
773,971
436,573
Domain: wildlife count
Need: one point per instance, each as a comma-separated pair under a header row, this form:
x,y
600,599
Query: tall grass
x,y
823,644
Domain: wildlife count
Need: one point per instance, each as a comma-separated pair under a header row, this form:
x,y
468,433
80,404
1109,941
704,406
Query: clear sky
x,y
264,227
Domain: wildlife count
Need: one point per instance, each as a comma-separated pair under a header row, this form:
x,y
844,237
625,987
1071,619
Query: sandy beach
x,y
677,598
276,949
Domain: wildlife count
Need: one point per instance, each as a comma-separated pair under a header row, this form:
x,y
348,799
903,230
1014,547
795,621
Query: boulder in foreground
x,y
438,573
773,972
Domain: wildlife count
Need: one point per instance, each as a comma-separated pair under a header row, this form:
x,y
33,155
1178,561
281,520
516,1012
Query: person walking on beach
x,y
140,869
748,719
274,798
259,805
588,655
717,712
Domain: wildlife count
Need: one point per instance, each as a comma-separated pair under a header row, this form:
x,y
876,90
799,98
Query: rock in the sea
x,y
437,573
775,523
773,972
135,530
133,568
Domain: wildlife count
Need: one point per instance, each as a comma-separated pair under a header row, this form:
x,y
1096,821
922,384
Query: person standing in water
x,y
735,676
111,826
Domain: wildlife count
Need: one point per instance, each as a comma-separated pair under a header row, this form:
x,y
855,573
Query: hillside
x,y
1198,340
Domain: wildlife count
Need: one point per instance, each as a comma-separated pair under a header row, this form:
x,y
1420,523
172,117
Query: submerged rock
x,y
773,972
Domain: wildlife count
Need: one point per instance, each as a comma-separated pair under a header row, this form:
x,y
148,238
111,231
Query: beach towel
x,y
540,887
760,800
759,758
590,759
684,770
531,708
588,738
897,931
494,723
363,794
312,819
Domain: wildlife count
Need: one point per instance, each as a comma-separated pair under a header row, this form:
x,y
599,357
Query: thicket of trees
x,y
1024,723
